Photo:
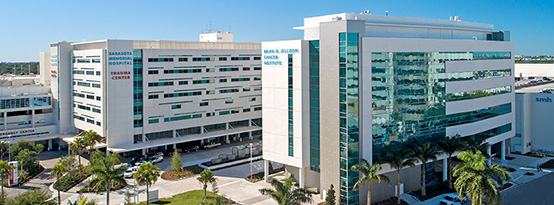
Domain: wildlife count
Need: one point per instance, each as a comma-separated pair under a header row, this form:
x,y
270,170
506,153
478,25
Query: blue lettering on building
x,y
120,58
274,59
546,99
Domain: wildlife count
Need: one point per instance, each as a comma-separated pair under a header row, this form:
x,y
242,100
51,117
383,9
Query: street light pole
x,y
9,148
251,177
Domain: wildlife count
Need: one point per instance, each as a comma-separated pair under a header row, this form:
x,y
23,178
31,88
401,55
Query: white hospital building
x,y
157,95
358,82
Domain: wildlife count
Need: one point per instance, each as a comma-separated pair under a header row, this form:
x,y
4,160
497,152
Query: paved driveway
x,y
43,180
536,192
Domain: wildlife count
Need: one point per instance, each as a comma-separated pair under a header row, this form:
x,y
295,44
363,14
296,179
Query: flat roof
x,y
535,89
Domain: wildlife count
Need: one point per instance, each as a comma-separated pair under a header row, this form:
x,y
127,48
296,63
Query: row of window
x,y
85,84
88,72
209,114
196,59
86,60
90,97
83,107
208,70
478,93
25,102
208,92
91,121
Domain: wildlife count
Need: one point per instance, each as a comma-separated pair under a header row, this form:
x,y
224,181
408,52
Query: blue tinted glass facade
x,y
291,127
137,88
349,144
409,95
314,106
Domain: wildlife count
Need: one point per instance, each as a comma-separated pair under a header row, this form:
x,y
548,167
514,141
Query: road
x,y
536,192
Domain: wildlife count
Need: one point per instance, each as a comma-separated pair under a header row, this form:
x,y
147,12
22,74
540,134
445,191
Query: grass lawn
x,y
192,197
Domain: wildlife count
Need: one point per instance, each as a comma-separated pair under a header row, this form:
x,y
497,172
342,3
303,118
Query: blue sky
x,y
26,27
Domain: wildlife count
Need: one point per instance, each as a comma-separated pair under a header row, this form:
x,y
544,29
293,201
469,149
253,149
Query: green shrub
x,y
29,173
72,178
88,188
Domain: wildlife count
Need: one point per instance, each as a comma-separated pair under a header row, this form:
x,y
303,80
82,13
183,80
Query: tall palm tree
x,y
39,148
398,159
3,147
58,171
205,178
370,174
286,194
147,174
478,179
4,174
449,146
424,153
107,175
92,138
78,147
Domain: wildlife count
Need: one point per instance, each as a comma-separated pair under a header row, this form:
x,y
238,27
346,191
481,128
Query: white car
x,y
130,171
452,199
156,159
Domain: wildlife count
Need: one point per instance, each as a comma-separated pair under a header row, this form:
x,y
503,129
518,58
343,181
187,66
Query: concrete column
x,y
49,144
445,169
227,139
68,149
202,130
174,133
143,152
174,146
227,126
489,161
202,141
301,177
250,136
5,120
266,170
33,117
503,150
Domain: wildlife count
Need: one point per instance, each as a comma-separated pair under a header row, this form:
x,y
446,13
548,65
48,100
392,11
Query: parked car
x,y
130,171
192,149
452,199
172,152
212,145
156,159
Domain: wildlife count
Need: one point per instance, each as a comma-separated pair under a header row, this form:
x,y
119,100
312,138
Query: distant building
x,y
359,82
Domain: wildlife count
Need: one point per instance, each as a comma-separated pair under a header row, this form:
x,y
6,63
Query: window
x,y
257,68
204,104
183,59
90,72
239,79
210,92
98,123
251,99
182,117
229,91
228,69
210,114
98,73
183,82
246,110
83,84
240,58
172,95
153,96
257,78
96,110
175,106
245,68
202,59
222,80
90,121
257,58
80,72
98,98
245,89
229,101
202,81
156,84
160,59
222,58
94,85
257,108
90,97
183,71
152,72
96,60
210,70
153,121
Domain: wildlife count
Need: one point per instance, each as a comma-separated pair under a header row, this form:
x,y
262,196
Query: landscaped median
x,y
193,197
183,173
72,178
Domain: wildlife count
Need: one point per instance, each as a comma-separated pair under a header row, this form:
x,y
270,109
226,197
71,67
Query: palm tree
x,y
3,147
286,194
424,153
78,147
370,174
107,175
39,148
476,145
4,174
398,159
58,171
92,138
449,146
81,201
205,178
478,179
147,174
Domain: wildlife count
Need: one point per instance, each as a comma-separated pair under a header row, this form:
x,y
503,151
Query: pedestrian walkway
x,y
42,180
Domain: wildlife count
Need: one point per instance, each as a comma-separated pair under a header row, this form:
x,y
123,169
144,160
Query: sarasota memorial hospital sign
x,y
271,56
